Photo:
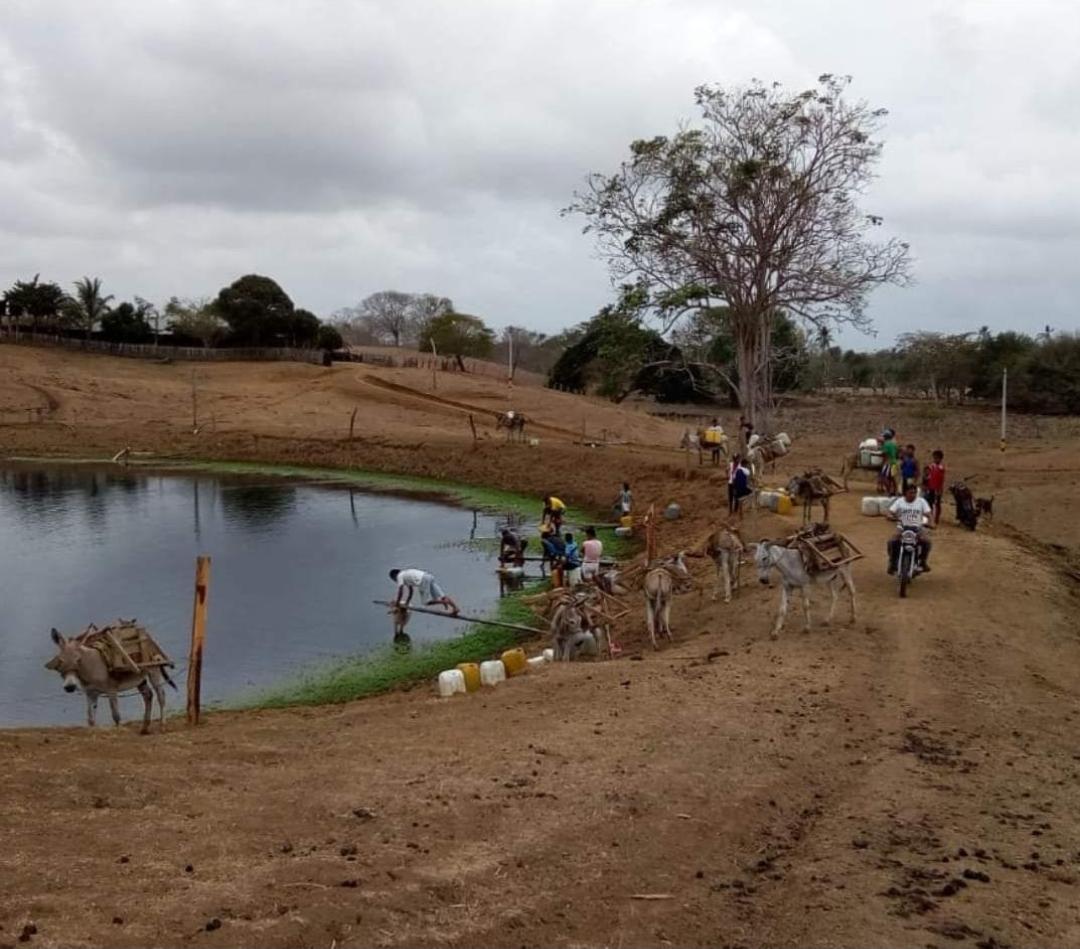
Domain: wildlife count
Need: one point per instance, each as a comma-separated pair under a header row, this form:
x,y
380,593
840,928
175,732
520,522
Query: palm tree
x,y
89,306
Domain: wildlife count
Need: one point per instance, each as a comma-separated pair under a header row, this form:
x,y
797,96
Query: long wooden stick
x,y
602,561
468,619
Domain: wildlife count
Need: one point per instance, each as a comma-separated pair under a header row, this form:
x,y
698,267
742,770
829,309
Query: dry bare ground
x,y
910,780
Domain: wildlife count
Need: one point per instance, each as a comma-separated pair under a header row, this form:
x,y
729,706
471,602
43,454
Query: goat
x,y
725,547
788,562
659,588
984,507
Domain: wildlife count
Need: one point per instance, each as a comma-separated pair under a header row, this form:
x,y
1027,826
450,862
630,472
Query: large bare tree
x,y
755,209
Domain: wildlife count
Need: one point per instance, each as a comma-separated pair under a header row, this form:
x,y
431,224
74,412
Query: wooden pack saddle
x,y
823,548
125,646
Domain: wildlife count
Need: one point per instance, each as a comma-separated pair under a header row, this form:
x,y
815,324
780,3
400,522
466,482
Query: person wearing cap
x,y
890,462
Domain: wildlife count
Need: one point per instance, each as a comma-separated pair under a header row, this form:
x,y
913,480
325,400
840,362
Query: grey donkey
x,y
82,667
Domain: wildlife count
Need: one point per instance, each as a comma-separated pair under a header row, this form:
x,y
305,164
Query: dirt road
x,y
910,780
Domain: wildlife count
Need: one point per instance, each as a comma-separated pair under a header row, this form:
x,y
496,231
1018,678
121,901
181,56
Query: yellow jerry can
x,y
471,671
515,661
783,504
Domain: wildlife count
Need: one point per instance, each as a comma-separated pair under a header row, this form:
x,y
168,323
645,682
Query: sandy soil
x,y
908,780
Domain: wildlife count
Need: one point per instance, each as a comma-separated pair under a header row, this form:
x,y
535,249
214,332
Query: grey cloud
x,y
347,147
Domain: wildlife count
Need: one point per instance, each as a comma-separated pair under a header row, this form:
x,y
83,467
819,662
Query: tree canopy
x,y
257,311
127,323
41,303
391,316
197,319
755,209
89,305
459,335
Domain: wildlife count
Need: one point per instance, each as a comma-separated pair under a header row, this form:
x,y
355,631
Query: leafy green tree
x,y
994,353
1049,380
458,335
329,338
256,310
41,303
126,323
757,208
197,319
89,305
303,329
615,354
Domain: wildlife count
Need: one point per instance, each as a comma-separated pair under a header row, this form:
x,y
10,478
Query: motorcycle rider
x,y
909,512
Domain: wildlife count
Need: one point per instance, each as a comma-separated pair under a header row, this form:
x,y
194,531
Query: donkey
x,y
659,588
788,562
764,450
83,667
513,422
725,547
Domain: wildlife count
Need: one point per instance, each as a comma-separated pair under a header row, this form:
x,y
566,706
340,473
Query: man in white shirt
x,y
910,512
431,594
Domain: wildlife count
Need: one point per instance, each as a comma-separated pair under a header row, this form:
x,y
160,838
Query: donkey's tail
x,y
165,676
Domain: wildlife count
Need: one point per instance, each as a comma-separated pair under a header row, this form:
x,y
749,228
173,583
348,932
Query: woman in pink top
x,y
591,552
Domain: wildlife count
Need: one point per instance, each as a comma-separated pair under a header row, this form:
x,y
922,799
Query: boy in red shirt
x,y
934,484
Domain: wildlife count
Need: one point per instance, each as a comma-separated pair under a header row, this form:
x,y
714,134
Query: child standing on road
x,y
934,484
909,468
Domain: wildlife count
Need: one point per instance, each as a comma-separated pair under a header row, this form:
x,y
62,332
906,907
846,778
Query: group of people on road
x,y
902,474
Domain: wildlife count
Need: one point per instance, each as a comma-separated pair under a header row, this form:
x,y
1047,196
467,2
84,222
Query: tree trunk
x,y
753,342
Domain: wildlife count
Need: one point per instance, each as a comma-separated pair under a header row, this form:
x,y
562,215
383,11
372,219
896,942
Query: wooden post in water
x,y
198,638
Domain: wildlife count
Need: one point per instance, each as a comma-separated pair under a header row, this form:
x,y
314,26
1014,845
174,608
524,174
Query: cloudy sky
x,y
347,146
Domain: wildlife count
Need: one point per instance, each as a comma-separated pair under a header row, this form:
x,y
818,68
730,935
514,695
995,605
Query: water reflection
x,y
257,505
295,570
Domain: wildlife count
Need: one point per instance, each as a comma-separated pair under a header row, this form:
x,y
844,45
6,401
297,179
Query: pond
x,y
295,568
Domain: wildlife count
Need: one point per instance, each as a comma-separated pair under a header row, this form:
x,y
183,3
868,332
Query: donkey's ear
x,y
57,637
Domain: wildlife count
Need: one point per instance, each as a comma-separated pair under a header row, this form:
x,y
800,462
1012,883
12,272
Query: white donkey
x,y
659,589
82,667
788,562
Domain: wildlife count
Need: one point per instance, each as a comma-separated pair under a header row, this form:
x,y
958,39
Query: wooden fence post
x,y
198,637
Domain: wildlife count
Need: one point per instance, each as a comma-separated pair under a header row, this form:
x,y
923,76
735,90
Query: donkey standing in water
x,y
788,562
83,667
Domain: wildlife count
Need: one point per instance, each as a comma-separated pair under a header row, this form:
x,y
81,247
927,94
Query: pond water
x,y
295,568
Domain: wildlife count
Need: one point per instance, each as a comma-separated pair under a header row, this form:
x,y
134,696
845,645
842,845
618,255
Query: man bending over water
x,y
431,594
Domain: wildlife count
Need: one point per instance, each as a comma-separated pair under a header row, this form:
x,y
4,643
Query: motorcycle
x,y
909,558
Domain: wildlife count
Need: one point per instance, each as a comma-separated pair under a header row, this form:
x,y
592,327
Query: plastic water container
x,y
536,662
769,500
451,682
884,504
783,504
471,672
623,531
871,507
492,672
869,443
548,655
627,520
515,662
